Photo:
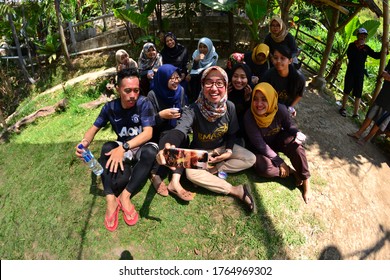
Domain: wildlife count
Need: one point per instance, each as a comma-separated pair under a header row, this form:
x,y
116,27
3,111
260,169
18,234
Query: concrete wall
x,y
214,27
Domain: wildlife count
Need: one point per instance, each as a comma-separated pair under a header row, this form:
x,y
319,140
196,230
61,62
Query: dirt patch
x,y
353,200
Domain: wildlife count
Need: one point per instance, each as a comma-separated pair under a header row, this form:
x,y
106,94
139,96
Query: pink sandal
x,y
114,217
131,212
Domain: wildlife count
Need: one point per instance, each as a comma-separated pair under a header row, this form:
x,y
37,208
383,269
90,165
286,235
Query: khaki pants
x,y
240,159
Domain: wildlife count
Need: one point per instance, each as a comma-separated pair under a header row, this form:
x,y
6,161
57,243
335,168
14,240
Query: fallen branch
x,y
43,112
101,100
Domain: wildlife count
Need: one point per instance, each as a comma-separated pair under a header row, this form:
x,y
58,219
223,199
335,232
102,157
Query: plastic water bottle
x,y
91,161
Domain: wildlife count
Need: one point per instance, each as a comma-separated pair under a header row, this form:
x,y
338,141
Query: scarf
x,y
272,98
233,59
210,59
260,48
212,111
119,65
283,30
159,85
144,62
172,54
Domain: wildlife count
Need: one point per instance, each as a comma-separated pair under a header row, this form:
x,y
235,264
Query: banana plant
x,y
255,11
140,19
50,48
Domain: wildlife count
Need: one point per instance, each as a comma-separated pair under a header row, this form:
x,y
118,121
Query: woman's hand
x,y
247,92
115,160
169,114
216,157
284,170
160,158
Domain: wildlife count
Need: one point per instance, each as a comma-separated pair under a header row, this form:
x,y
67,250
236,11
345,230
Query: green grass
x,y
53,208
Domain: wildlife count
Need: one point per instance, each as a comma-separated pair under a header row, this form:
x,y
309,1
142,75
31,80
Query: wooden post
x,y
384,51
72,37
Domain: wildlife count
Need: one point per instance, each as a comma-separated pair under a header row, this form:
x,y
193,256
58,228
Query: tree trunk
x,y
385,49
104,10
285,6
19,51
62,35
231,31
329,42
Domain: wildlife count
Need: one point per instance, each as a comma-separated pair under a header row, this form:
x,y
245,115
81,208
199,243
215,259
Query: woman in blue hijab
x,y
168,99
203,57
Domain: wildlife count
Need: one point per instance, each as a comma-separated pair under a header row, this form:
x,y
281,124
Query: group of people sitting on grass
x,y
241,115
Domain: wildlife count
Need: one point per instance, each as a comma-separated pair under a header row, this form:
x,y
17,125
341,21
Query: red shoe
x,y
114,217
131,212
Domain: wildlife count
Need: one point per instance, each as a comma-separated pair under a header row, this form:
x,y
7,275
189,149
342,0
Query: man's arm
x,y
116,155
88,138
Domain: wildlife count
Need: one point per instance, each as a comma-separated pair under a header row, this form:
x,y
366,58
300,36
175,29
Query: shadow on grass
x,y
95,191
126,255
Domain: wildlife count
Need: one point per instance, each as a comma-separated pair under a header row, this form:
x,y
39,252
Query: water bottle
x,y
91,161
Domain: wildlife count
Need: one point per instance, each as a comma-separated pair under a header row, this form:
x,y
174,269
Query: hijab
x,y
210,58
260,48
172,54
283,30
159,85
272,98
233,59
118,56
212,111
144,62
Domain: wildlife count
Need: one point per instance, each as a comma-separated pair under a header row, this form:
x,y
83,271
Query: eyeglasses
x,y
176,78
210,84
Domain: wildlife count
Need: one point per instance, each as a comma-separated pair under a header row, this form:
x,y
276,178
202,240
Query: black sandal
x,y
247,194
343,112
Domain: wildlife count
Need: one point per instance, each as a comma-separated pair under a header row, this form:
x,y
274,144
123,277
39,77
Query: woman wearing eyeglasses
x,y
168,99
214,123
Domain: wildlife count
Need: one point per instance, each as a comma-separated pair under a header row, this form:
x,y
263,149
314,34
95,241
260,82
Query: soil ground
x,y
353,199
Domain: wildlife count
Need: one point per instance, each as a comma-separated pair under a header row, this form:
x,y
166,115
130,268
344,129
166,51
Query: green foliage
x,y
131,15
225,6
50,48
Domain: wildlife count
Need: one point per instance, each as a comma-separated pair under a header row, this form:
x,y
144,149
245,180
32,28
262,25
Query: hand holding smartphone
x,y
186,158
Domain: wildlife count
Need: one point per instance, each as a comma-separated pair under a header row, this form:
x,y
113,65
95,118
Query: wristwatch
x,y
126,146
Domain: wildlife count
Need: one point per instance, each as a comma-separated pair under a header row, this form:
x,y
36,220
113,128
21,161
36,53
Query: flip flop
x,y
353,136
182,194
134,220
114,217
251,206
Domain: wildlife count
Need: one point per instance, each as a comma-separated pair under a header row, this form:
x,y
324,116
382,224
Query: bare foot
x,y
127,206
298,181
307,195
112,206
159,185
177,189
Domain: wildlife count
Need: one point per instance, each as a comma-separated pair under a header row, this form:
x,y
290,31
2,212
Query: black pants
x,y
135,173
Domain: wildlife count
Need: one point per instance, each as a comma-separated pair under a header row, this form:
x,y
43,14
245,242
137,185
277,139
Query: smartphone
x,y
186,158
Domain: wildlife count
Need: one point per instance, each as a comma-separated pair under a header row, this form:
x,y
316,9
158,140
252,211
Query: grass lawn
x,y
52,207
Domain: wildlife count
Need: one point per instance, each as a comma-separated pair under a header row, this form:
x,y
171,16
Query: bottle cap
x,y
222,175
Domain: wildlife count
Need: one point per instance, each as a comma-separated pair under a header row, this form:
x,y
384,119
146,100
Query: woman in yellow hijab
x,y
258,62
270,130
